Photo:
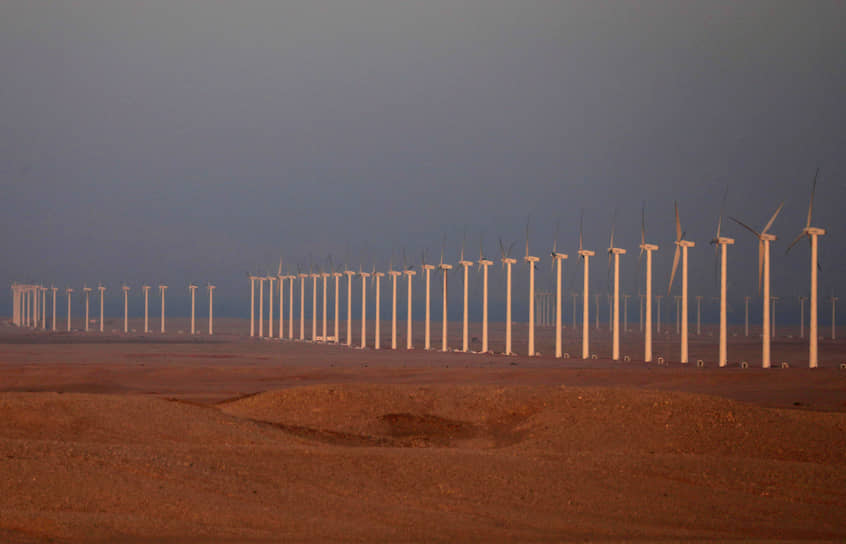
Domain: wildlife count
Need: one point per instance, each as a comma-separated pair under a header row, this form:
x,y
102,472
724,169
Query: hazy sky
x,y
198,140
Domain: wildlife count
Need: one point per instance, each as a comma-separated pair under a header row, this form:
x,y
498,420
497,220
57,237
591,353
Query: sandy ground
x,y
227,439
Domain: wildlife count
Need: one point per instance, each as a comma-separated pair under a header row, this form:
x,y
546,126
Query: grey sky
x,y
196,140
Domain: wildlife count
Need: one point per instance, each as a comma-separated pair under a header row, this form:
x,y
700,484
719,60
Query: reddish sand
x,y
171,438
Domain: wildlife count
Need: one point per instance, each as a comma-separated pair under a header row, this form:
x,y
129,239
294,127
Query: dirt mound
x,y
560,419
120,419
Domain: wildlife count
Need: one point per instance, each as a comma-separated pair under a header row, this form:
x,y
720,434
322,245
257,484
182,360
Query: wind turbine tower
x,y
69,291
87,291
303,277
337,275
270,292
813,233
163,288
102,289
363,308
377,323
54,306
211,309
125,290
349,274
764,239
146,289
252,305
193,289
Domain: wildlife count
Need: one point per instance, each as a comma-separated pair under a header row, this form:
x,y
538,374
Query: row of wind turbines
x,y
682,245
29,306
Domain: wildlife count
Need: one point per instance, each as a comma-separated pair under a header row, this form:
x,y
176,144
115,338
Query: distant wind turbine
x,y
428,332
409,272
764,239
682,246
363,308
349,273
557,259
484,264
87,291
146,289
585,255
531,260
125,290
813,233
394,275
377,320
721,244
465,325
193,289
444,268
614,253
211,309
163,288
69,291
507,261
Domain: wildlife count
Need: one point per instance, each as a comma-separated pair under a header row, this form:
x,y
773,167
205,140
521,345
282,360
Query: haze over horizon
x,y
197,141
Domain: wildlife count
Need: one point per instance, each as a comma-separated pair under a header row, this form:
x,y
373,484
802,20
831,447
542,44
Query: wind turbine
x,y
146,289
557,259
44,308
261,306
193,289
409,272
698,315
303,277
53,288
125,290
394,274
69,291
337,275
87,291
211,309
349,274
163,288
585,255
682,246
252,305
615,252
507,261
291,278
531,260
764,239
280,280
444,268
428,268
314,276
813,233
364,308
484,264
465,325
721,244
377,328
325,275
270,279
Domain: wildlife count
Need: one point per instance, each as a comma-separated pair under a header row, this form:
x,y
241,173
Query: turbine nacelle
x,y
688,243
616,251
586,253
814,231
722,240
485,262
509,260
648,247
556,255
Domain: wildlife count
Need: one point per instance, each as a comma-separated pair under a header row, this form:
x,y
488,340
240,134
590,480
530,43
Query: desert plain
x,y
106,437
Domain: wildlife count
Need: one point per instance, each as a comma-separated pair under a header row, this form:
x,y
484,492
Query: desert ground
x,y
106,437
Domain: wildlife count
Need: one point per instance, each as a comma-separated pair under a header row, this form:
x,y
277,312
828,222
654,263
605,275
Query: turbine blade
x,y
795,241
528,218
722,210
770,222
811,203
678,223
675,266
745,226
501,248
581,224
642,225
